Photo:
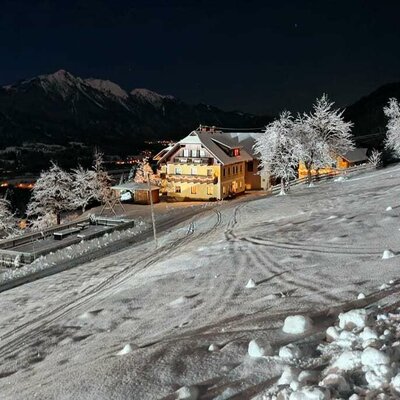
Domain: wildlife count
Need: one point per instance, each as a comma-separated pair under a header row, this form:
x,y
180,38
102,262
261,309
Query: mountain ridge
x,y
60,107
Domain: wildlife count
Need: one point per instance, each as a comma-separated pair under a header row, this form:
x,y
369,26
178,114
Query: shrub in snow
x,y
250,284
187,393
387,254
257,349
297,324
353,319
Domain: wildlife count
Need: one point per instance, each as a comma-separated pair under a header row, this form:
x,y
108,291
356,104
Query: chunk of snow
x,y
290,351
336,381
375,381
257,349
361,296
348,361
250,284
213,347
396,383
288,376
126,350
332,217
357,318
332,334
384,286
308,376
389,208
297,324
188,393
340,179
387,254
368,333
310,393
371,357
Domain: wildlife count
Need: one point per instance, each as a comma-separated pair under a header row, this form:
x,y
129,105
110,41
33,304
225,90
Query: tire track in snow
x,y
43,321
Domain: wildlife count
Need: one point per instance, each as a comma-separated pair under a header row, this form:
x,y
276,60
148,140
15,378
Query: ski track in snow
x,y
60,335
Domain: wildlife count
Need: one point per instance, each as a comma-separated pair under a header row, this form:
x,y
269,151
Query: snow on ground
x,y
145,323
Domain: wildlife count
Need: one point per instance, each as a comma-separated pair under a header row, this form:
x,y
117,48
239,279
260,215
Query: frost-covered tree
x,y
144,170
103,190
84,187
324,135
279,149
392,112
375,158
51,195
8,226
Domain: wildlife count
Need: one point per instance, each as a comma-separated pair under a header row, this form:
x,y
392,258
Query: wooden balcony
x,y
192,178
194,160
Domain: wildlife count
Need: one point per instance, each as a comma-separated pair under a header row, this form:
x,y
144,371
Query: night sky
x,y
255,56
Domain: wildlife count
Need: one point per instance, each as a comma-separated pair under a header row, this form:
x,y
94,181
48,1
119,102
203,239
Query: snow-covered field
x,y
143,323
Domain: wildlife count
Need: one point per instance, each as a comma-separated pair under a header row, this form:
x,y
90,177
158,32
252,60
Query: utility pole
x,y
152,210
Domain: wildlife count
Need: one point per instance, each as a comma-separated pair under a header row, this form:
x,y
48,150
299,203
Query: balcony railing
x,y
192,178
194,160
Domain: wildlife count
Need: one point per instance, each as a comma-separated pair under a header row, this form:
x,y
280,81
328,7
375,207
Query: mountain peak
x,y
148,96
107,87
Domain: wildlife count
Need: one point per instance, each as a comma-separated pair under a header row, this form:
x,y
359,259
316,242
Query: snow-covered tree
x,y
324,135
144,170
392,112
375,158
51,195
84,187
8,226
103,180
279,149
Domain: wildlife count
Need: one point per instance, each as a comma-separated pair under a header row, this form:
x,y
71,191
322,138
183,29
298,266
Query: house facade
x,y
207,165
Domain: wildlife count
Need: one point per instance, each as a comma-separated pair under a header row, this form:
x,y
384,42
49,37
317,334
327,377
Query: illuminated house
x,y
350,159
208,165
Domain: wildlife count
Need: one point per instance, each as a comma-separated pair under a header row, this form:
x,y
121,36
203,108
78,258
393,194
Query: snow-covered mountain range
x,y
60,107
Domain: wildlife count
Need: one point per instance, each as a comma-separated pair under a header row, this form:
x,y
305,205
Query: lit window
x,y
240,184
193,190
202,153
210,190
177,189
236,152
223,190
209,172
178,171
193,171
185,153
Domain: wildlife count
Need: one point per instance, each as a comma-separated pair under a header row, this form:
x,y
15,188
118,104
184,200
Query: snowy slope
x,y
139,324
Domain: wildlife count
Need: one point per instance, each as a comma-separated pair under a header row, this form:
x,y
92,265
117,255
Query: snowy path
x,y
308,252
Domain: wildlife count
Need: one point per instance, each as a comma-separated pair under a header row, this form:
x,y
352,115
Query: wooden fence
x,y
335,173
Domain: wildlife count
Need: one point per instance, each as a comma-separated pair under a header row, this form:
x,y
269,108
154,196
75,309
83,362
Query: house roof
x,y
356,155
213,142
245,139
